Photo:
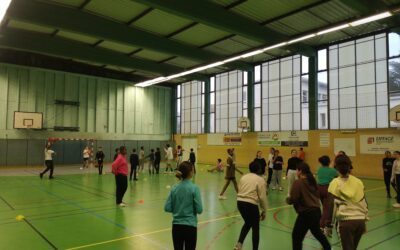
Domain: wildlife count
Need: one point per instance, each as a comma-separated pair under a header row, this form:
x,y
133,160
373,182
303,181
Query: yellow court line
x,y
169,229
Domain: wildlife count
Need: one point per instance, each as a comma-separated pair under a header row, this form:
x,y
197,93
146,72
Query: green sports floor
x,y
77,211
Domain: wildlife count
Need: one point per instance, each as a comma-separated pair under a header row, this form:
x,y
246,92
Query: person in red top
x,y
120,170
302,155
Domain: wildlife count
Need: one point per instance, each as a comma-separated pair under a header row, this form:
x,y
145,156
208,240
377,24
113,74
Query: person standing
x,y
86,155
230,174
291,172
192,159
169,155
387,164
100,159
305,200
396,177
277,171
48,161
157,160
151,157
184,202
179,155
141,159
270,164
252,192
349,206
120,170
261,161
302,154
325,175
134,160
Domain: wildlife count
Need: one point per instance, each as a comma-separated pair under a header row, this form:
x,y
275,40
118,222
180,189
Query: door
x,y
187,144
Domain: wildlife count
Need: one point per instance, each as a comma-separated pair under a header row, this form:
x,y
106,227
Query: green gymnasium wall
x,y
111,111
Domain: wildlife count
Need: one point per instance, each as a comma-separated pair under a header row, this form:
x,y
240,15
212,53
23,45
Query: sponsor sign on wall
x,y
227,139
378,144
284,139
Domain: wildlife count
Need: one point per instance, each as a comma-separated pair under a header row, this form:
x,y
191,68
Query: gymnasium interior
x,y
206,75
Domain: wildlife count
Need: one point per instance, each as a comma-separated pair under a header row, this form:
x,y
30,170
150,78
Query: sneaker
x,y
51,177
41,176
81,168
238,246
122,204
221,197
273,188
280,189
396,205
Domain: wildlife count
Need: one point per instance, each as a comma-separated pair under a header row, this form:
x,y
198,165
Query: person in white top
x,y
396,177
252,193
86,155
169,155
270,165
48,160
141,159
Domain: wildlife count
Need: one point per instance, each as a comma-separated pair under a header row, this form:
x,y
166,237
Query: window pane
x,y
348,118
366,117
257,119
304,65
212,84
347,55
382,116
257,73
365,51
212,123
178,91
322,86
323,115
286,122
366,74
394,44
394,75
257,95
322,59
286,67
366,95
245,77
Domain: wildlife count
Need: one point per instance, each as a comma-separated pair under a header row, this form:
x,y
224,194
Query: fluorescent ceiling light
x,y
252,53
275,46
301,38
333,29
4,4
371,18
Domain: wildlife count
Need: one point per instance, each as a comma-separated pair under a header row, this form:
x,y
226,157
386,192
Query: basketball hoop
x,y
244,123
394,116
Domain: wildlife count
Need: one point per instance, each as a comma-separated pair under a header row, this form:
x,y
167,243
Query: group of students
x,y
340,193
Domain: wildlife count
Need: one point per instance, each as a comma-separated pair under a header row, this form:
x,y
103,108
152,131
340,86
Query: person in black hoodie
x,y
387,164
157,160
261,162
134,159
100,158
192,159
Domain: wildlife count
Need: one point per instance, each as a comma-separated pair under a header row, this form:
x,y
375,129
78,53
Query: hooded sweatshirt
x,y
349,198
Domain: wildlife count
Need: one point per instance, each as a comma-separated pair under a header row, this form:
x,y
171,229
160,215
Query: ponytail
x,y
305,170
184,170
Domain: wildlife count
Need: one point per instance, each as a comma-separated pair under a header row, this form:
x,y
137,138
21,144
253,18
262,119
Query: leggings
x,y
276,178
270,171
350,233
227,184
49,166
184,237
122,184
308,221
251,217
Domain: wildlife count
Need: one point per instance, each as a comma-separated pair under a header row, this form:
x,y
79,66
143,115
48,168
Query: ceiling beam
x,y
84,23
44,44
216,16
55,63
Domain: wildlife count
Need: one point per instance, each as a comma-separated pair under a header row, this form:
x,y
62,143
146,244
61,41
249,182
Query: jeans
x,y
276,178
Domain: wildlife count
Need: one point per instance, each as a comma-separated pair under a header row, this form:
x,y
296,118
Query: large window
x,y
322,90
357,78
228,101
190,107
394,70
284,95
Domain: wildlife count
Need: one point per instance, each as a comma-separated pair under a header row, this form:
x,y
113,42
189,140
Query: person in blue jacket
x,y
184,202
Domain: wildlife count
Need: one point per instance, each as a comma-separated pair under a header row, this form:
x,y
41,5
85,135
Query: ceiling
x,y
146,39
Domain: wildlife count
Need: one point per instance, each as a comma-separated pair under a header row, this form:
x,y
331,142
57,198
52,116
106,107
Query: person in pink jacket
x,y
120,170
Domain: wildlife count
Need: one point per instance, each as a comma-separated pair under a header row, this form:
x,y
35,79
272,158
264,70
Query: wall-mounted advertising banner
x,y
284,139
227,139
378,144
